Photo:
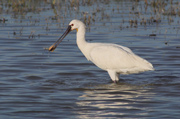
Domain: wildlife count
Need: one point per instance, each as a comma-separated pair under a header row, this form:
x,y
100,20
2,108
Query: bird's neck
x,y
80,37
81,42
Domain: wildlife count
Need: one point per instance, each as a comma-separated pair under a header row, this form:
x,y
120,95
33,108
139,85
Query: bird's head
x,y
73,25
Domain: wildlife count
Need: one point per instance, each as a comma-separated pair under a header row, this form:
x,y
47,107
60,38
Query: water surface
x,y
38,84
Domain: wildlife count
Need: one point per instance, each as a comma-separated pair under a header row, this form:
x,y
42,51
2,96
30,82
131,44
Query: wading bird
x,y
113,58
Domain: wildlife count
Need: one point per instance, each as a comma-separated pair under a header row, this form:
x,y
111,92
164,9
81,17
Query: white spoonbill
x,y
113,58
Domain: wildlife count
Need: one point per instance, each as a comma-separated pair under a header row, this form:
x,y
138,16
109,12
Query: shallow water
x,y
36,83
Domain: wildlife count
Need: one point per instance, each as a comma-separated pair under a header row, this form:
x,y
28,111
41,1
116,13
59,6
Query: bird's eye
x,y
72,24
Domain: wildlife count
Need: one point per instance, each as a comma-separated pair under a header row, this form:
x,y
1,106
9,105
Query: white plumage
x,y
113,58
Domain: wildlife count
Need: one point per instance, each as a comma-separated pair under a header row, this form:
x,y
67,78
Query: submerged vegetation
x,y
95,10
139,13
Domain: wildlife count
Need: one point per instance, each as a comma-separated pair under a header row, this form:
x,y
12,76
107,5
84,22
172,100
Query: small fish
x,y
51,48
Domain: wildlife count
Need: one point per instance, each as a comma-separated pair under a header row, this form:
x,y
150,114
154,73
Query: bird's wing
x,y
123,48
116,57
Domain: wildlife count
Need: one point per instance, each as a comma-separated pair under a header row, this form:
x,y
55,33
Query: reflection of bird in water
x,y
113,58
114,100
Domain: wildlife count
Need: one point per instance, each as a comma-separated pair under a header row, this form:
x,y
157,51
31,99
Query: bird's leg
x,y
114,76
115,82
117,77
